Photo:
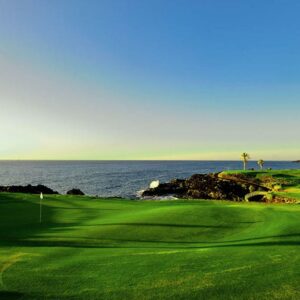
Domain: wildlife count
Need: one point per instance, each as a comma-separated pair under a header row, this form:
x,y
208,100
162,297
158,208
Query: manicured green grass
x,y
123,249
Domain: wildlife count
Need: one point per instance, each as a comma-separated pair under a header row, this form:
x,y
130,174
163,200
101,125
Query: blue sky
x,y
149,79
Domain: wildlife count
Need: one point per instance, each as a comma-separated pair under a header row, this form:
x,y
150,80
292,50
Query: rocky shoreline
x,y
35,189
28,189
214,186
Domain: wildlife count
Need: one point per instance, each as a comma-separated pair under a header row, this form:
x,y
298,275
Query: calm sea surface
x,y
112,178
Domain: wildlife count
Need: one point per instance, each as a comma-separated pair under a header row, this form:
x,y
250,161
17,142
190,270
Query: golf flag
x,y
41,198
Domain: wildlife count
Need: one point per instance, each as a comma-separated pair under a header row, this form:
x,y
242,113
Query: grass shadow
x,y
119,243
19,219
8,295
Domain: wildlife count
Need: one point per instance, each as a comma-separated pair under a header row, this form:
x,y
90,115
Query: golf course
x,y
149,150
92,248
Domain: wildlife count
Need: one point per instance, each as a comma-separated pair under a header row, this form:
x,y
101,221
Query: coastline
x,y
270,186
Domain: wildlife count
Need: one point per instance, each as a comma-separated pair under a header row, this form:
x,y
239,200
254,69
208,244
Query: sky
x,y
205,79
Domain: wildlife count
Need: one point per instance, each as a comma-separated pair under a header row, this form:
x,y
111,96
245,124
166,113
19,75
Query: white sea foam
x,y
160,198
154,184
139,193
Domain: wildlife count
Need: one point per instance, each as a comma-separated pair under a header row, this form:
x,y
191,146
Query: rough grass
x,y
122,249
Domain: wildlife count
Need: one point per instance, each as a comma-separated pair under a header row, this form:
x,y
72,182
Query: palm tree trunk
x,y
244,165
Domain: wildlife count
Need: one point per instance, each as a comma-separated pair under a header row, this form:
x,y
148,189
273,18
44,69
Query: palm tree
x,y
261,163
245,157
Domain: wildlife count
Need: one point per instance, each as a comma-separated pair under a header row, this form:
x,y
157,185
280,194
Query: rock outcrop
x,y
76,192
27,189
204,186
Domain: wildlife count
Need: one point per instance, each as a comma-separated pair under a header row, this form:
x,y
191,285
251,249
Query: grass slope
x,y
122,249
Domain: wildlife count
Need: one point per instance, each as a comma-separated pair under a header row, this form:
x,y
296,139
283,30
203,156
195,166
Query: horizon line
x,y
109,160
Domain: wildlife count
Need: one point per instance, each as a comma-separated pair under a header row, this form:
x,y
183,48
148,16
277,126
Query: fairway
x,y
88,248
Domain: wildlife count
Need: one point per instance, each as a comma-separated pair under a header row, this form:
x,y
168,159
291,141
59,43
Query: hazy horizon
x,y
139,160
149,80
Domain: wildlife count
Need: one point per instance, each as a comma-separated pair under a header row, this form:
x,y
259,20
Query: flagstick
x,y
41,198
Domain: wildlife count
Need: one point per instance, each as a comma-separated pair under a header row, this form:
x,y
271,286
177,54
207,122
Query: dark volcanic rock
x,y
174,187
202,186
28,189
75,192
212,187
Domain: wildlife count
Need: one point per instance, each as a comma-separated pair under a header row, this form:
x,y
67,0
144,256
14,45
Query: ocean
x,y
113,178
